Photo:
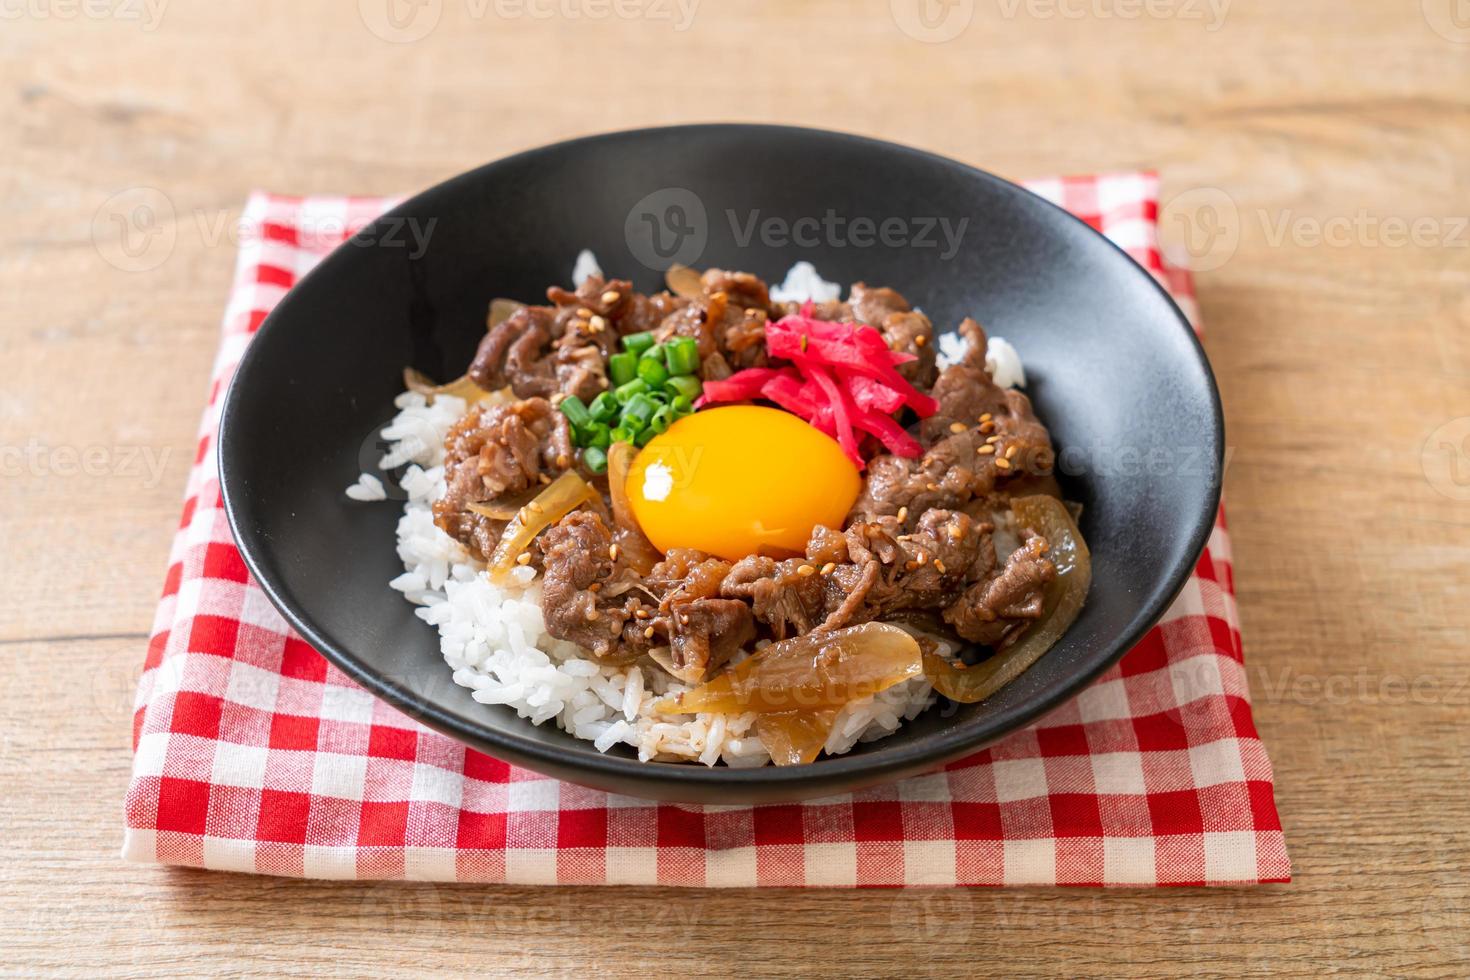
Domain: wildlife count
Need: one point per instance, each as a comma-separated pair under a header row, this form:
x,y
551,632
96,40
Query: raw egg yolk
x,y
740,480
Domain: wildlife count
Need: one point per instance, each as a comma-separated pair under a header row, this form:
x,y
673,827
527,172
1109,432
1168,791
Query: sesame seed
x,y
803,342
524,558
829,568
543,478
932,487
955,533
648,632
1003,463
533,507
957,427
751,311
610,297
920,340
583,313
562,461
612,552
939,565
641,613
987,426
903,513
597,324
993,440
986,450
986,417
683,619
923,558
806,570
1011,452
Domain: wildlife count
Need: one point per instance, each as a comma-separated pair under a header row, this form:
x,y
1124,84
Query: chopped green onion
x,y
594,459
684,386
661,419
635,387
638,412
638,342
652,372
683,405
622,367
682,354
597,435
604,407
576,411
621,434
643,438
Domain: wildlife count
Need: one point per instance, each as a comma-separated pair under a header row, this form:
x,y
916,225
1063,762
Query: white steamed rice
x,y
495,640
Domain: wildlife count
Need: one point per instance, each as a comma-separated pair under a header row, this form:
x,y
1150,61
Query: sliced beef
x,y
514,354
562,348
871,571
925,568
982,438
788,596
497,452
905,329
644,313
994,610
874,304
742,289
674,614
578,564
701,629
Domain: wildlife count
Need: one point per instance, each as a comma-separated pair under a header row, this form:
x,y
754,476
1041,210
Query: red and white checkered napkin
x,y
253,754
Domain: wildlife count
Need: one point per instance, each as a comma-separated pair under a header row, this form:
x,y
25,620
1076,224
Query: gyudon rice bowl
x,y
727,522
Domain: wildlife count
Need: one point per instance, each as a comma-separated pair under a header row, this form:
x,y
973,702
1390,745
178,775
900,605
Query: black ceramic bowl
x,y
1114,370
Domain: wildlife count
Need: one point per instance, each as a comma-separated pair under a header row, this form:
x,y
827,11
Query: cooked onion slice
x,y
638,552
795,738
504,508
500,311
1064,597
562,496
684,281
808,673
461,387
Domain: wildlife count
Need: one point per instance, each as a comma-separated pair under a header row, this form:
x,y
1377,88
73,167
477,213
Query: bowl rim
x,y
691,781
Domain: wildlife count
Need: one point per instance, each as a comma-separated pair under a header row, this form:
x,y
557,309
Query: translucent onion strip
x,y
562,496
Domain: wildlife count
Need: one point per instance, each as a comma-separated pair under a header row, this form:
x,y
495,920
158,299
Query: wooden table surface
x,y
1321,153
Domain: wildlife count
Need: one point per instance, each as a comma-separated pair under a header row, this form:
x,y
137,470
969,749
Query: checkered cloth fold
x,y
253,754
